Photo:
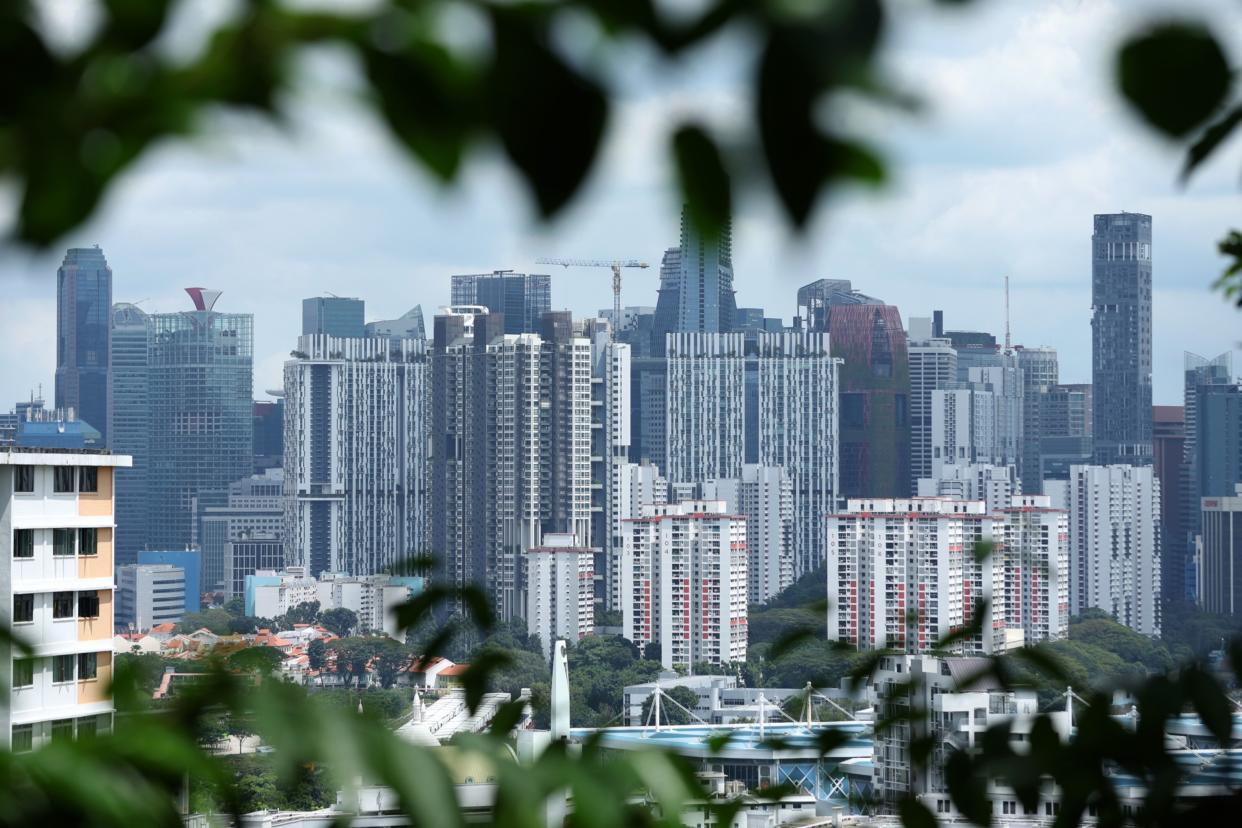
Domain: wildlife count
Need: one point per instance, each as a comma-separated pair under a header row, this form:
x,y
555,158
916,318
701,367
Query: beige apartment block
x,y
56,593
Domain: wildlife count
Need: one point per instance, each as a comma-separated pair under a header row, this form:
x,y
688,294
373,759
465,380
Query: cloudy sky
x,y
1022,140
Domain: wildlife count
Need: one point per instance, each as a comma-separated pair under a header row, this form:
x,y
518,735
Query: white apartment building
x,y
1114,537
764,495
149,594
902,574
683,578
933,366
356,453
994,485
560,595
611,437
56,593
635,487
766,398
963,427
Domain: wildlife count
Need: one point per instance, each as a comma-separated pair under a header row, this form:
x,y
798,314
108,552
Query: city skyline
x,y
965,189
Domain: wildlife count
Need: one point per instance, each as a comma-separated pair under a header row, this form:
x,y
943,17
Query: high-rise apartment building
x,y
903,574
636,486
129,429
933,367
333,316
1121,255
200,388
560,598
84,336
1040,373
994,485
356,454
56,594
874,399
764,496
1114,533
696,285
519,298
1005,384
514,413
611,417
683,583
766,398
149,594
1168,438
963,428
1220,567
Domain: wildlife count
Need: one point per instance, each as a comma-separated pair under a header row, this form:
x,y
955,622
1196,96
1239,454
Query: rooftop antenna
x,y
1008,347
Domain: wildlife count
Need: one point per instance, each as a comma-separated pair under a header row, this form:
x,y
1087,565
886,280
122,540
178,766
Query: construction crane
x,y
616,265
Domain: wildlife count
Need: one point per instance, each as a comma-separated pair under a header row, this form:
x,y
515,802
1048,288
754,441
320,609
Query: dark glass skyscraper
x,y
522,298
696,285
1121,338
201,366
333,315
83,334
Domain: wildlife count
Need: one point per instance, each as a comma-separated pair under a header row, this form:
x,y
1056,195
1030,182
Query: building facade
x,y
130,427
252,505
683,577
248,554
407,326
519,298
1220,565
200,385
1121,273
333,316
994,485
696,285
190,562
149,594
1169,464
357,454
764,496
1114,534
932,366
56,593
84,336
560,598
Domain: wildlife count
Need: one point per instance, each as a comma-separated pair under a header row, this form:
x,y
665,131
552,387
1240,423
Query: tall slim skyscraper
x,y
933,366
130,428
696,284
333,316
356,446
1169,452
875,399
1121,253
84,335
1203,379
1040,372
521,299
201,387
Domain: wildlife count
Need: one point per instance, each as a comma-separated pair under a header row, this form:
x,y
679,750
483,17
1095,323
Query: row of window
x,y
87,665
62,606
85,727
65,542
63,478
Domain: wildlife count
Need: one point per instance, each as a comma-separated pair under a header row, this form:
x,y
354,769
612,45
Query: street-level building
x,y
56,593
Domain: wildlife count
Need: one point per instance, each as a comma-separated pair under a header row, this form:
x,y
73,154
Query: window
x,y
62,605
88,604
23,672
62,730
23,609
23,738
62,542
88,479
23,543
88,666
88,541
62,668
23,479
62,479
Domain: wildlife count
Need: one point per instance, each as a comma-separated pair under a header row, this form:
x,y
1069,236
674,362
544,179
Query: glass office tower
x,y
202,423
129,430
83,325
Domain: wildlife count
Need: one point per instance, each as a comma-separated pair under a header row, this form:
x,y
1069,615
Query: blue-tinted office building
x,y
334,316
129,431
200,383
522,298
190,561
83,335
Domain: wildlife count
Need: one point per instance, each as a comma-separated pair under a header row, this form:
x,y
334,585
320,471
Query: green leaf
x,y
550,117
704,179
132,24
1210,702
1211,138
1175,74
